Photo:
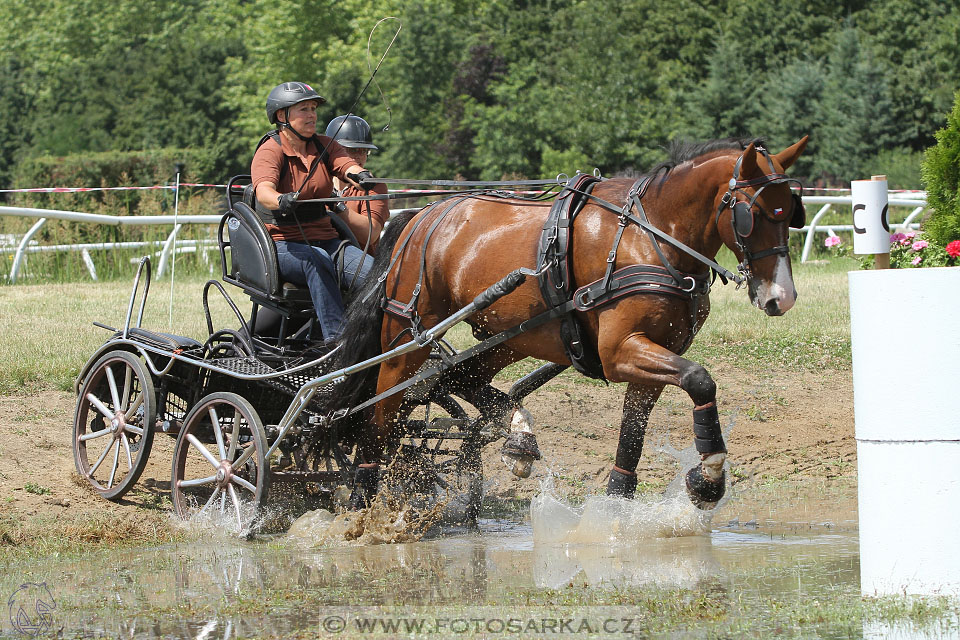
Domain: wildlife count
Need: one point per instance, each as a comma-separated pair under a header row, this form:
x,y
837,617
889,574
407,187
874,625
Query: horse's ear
x,y
791,153
748,166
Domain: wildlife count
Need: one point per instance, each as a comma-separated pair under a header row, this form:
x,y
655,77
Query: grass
x,y
46,330
37,536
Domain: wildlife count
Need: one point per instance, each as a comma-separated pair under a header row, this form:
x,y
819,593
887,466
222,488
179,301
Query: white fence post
x,y
18,256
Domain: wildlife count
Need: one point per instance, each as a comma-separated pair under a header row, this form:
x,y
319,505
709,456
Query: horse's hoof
x,y
520,466
621,485
364,488
705,493
519,444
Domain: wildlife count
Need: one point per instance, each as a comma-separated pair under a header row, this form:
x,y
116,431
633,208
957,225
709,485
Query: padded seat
x,y
279,308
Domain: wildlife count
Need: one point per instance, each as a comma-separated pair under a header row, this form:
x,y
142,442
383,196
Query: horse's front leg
x,y
638,402
644,364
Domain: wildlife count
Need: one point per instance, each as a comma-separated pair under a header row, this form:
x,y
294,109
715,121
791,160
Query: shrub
x,y
941,177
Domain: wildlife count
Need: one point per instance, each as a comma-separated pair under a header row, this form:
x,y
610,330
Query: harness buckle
x,y
693,284
611,257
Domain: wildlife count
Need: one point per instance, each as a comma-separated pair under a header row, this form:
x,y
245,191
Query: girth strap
x,y
639,278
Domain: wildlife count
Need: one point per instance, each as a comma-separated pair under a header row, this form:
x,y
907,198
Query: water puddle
x,y
754,557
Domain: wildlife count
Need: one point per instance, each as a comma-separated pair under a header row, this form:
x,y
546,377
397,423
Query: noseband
x,y
742,218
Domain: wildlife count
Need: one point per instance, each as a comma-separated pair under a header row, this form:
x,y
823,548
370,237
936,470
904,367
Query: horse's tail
x,y
362,320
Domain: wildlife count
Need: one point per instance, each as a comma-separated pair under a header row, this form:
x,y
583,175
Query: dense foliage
x,y
941,177
486,88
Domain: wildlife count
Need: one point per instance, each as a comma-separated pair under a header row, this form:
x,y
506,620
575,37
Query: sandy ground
x,y
786,426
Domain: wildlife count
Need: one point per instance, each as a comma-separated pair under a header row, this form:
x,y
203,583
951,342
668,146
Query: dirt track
x,y
786,425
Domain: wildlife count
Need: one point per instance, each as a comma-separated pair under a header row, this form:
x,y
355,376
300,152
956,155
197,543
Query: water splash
x,y
614,520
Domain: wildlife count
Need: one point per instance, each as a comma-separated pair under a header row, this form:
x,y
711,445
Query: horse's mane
x,y
681,151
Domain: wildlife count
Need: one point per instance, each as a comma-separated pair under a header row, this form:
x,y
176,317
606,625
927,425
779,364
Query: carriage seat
x,y
253,267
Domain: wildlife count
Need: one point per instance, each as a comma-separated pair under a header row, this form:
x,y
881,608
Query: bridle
x,y
743,217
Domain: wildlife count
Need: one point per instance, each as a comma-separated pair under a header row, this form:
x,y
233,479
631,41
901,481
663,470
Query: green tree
x,y
855,111
941,177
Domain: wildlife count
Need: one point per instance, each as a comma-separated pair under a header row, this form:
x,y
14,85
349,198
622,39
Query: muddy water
x,y
221,587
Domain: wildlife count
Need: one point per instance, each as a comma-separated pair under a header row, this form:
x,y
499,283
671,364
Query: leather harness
x,y
556,280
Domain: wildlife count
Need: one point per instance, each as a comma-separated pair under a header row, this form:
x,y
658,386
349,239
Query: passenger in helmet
x,y
294,163
366,218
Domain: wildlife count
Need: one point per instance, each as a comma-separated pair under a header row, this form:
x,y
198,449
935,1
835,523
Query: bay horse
x,y
674,220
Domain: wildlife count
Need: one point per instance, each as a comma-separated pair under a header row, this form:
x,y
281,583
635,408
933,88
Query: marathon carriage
x,y
619,295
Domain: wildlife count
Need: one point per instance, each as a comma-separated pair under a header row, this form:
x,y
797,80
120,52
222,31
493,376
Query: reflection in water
x,y
209,589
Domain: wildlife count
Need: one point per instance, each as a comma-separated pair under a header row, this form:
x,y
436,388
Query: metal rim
x,y
116,406
219,466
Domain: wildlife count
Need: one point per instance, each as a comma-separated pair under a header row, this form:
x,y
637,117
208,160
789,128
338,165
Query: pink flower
x,y
916,260
897,237
919,245
910,234
953,249
832,241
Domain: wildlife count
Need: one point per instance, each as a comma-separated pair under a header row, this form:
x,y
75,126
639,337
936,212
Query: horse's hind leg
x,y
638,402
471,380
640,361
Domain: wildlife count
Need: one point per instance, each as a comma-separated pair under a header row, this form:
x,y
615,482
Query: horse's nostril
x,y
772,308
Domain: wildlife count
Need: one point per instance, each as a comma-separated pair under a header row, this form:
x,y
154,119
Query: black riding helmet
x,y
351,131
284,96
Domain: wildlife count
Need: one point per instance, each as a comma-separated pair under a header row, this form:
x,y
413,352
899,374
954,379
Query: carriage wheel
x,y
460,475
114,419
219,464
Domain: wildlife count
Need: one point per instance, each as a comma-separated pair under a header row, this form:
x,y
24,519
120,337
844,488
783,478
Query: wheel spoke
x,y
126,446
112,383
198,482
134,405
102,408
203,450
100,460
215,423
127,382
210,499
223,502
246,485
94,434
247,453
132,429
116,463
236,506
234,436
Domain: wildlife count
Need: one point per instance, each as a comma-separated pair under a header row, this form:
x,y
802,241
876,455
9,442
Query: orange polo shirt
x,y
357,212
266,167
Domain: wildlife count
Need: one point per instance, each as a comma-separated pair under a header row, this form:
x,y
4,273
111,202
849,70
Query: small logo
x,y
30,609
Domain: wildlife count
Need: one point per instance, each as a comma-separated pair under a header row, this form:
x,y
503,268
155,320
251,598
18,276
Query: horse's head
x,y
753,218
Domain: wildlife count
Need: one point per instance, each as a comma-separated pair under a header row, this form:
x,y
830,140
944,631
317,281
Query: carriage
x,y
267,409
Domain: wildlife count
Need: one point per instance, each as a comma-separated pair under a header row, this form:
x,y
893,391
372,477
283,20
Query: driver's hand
x,y
287,202
363,179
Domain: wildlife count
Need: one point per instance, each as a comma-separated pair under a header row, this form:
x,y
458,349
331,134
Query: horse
x,y
669,225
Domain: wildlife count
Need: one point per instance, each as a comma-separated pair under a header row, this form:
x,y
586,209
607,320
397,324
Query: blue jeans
x,y
313,267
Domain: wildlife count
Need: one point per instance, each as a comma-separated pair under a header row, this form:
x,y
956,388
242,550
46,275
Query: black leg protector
x,y
364,487
708,436
705,492
623,485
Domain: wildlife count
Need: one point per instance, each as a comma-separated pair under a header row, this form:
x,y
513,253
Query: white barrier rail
x,y
170,245
916,204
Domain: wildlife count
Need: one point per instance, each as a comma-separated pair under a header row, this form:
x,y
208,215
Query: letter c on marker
x,y
858,207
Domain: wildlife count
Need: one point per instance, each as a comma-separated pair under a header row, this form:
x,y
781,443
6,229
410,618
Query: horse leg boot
x,y
638,402
706,482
